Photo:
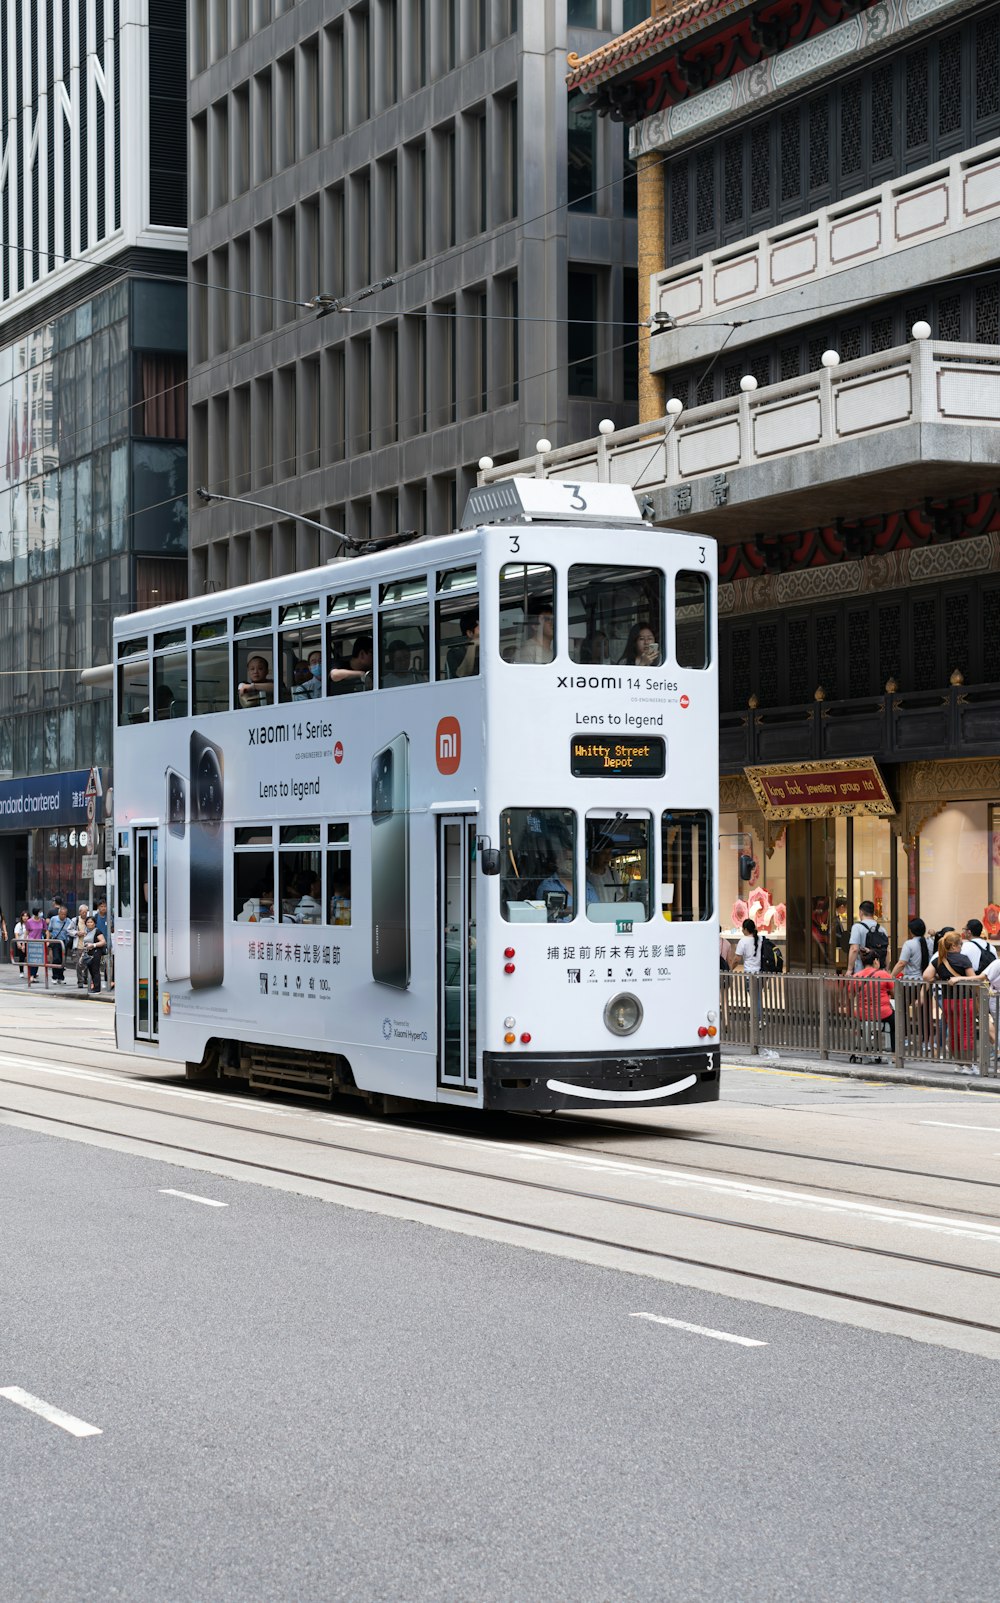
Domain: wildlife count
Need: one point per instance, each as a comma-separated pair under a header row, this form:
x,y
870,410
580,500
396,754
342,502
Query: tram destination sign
x,y
612,757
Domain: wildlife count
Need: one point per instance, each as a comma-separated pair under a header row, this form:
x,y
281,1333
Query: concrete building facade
x,y
93,401
422,149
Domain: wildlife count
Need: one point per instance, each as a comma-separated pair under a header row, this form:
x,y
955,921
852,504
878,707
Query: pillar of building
x,y
650,182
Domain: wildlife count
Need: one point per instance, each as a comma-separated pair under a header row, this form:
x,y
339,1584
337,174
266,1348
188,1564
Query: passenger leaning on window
x,y
257,689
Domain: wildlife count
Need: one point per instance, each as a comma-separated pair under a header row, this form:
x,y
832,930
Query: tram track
x,y
522,1183
577,1123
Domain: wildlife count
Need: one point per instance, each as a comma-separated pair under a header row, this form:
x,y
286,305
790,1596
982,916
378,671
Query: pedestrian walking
x,y
34,928
94,947
748,949
18,949
61,933
80,945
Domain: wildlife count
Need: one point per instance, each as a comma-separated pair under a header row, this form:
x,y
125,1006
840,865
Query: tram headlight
x,y
623,1014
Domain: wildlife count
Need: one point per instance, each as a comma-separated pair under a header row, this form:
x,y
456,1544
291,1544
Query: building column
x,y
651,185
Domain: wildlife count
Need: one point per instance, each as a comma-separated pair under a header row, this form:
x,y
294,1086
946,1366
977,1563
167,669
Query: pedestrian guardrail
x,y
865,1020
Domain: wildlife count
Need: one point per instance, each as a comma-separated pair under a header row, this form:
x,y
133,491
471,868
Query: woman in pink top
x,y
34,928
875,997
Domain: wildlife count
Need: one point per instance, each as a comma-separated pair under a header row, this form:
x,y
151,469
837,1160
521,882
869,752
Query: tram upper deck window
x,y
687,847
691,620
170,674
210,667
404,633
133,682
527,612
538,856
457,624
253,659
616,615
617,866
350,643
301,651
338,874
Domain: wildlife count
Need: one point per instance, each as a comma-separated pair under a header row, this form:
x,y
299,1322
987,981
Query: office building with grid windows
x,y
93,401
335,146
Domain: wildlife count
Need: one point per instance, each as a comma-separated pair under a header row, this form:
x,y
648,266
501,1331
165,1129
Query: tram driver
x,y
556,889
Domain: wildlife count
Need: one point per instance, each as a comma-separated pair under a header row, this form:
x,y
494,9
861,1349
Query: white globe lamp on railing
x,y
485,464
675,406
541,446
748,384
605,427
830,359
920,331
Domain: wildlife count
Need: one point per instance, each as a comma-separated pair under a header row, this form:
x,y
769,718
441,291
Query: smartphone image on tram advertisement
x,y
207,860
391,864
176,881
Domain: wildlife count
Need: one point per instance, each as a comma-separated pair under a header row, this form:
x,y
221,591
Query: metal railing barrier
x,y
865,1020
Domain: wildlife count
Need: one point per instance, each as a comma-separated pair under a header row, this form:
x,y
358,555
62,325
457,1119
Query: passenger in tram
x,y
309,908
257,689
340,900
642,649
537,645
397,670
463,661
357,675
602,877
559,886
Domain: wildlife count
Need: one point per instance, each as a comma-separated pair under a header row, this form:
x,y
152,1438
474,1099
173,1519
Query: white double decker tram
x,y
435,822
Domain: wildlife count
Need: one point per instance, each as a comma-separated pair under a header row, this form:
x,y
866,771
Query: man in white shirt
x,y
979,952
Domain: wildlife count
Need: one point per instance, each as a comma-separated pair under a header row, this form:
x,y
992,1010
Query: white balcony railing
x,y
926,381
942,199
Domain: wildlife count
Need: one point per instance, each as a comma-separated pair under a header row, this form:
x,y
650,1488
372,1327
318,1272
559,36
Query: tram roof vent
x,y
523,500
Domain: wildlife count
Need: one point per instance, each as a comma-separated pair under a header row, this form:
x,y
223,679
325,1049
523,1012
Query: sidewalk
x,y
884,1073
12,980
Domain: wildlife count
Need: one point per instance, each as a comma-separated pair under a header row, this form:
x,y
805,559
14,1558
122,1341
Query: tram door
x,y
457,952
147,935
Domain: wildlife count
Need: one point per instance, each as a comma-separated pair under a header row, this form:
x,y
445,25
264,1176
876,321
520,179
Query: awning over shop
x,y
851,788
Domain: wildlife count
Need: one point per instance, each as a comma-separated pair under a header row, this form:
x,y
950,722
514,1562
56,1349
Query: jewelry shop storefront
x,y
803,845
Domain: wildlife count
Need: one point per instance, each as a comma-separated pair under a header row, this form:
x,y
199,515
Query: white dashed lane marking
x,y
699,1330
44,1410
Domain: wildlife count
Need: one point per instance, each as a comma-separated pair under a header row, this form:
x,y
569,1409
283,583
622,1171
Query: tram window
x,y
133,692
253,887
538,864
527,616
301,652
457,624
617,866
216,629
616,615
252,671
350,643
132,648
404,633
255,835
300,887
170,685
210,679
686,848
691,620
123,877
338,874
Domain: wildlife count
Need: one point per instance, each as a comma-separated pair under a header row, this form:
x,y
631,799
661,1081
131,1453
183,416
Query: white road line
x,y
941,1124
55,1416
189,1196
700,1330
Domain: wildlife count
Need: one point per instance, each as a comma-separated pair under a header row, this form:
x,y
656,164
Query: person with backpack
x,y
979,952
867,932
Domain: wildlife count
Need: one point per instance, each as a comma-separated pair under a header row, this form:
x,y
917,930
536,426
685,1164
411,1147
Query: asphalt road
x,y
394,1400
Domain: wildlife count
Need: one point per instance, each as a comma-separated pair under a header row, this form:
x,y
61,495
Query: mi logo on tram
x,y
448,745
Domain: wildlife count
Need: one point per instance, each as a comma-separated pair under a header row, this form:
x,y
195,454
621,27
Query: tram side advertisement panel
x,y
314,968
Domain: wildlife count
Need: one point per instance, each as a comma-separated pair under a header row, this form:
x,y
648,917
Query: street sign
x,y
88,866
94,786
91,809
